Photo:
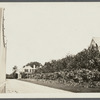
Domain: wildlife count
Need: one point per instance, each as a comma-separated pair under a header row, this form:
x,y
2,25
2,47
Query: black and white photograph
x,y
51,49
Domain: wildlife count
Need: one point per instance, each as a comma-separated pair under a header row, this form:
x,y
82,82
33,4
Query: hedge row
x,y
76,77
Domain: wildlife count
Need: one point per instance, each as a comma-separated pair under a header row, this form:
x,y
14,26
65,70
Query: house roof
x,y
27,67
96,40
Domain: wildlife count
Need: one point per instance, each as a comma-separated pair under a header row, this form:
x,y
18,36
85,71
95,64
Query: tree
x,y
15,68
37,64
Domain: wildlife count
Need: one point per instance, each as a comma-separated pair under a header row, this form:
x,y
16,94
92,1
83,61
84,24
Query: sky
x,y
46,31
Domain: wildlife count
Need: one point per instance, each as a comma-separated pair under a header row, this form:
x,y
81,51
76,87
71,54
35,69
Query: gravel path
x,y
17,86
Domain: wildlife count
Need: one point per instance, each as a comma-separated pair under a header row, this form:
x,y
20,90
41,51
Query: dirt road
x,y
17,86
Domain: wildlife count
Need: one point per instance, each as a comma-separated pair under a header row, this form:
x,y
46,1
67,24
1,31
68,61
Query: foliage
x,y
15,68
23,75
37,64
81,69
88,58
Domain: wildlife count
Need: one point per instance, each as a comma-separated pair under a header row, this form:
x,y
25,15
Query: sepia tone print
x,y
49,49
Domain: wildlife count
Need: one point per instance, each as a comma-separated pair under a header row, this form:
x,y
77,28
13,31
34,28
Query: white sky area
x,y
46,31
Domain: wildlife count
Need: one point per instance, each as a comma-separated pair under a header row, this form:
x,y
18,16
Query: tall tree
x,y
15,68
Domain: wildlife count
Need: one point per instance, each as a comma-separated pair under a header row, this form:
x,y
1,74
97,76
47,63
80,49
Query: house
x,y
27,70
31,67
95,42
3,49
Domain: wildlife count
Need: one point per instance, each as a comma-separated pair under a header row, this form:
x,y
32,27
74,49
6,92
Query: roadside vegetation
x,y
80,70
78,73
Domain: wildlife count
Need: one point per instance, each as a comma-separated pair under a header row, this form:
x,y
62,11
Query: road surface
x,y
17,86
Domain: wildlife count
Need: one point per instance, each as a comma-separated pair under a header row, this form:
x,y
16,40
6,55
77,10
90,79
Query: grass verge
x,y
67,87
